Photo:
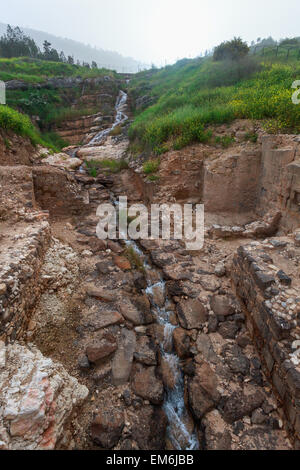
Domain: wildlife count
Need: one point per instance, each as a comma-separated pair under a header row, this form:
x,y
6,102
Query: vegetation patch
x,y
194,94
111,166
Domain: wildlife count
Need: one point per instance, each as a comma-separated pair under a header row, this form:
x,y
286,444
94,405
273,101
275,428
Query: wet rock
x,y
222,306
146,385
122,362
169,372
182,343
107,427
101,349
149,428
139,280
240,405
146,351
192,314
137,310
158,295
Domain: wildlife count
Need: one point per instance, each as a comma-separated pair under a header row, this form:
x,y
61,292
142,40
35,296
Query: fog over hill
x,y
108,59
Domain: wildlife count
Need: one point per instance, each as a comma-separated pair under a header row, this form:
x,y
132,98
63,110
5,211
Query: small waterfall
x,y
121,117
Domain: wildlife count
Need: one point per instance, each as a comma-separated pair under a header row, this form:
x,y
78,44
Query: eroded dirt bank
x,y
94,325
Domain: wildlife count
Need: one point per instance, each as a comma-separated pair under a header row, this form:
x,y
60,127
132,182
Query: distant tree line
x,y
17,44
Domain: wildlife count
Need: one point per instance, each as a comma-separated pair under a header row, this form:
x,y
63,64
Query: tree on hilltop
x,y
235,49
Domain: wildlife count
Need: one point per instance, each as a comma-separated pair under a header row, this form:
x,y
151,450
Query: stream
x,y
180,434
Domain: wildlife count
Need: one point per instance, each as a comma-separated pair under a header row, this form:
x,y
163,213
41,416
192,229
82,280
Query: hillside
x,y
106,59
189,97
49,93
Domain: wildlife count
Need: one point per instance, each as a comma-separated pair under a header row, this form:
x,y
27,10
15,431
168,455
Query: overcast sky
x,y
156,30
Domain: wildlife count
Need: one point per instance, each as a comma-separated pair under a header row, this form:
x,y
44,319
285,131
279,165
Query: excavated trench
x,y
180,433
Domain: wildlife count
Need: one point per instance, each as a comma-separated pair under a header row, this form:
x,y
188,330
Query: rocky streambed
x,y
141,346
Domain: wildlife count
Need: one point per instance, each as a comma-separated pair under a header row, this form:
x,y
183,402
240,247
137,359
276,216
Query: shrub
x,y
113,166
151,166
225,141
231,50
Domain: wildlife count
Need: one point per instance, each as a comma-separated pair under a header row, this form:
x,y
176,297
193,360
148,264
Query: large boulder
x,y
202,391
146,351
192,314
145,384
102,348
38,397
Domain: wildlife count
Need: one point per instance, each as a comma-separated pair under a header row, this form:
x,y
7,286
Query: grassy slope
x,y
194,94
51,105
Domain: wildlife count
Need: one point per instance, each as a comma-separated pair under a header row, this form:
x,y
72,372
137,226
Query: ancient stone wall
x,y
57,191
22,255
271,301
231,182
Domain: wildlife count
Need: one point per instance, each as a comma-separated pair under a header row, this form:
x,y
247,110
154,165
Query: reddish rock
x,y
182,343
146,385
146,351
101,349
107,427
122,263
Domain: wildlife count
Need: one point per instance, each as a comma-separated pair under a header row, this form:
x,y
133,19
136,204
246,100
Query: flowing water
x,y
121,117
180,434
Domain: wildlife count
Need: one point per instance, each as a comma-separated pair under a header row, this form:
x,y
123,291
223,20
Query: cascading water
x,y
181,437
121,117
179,432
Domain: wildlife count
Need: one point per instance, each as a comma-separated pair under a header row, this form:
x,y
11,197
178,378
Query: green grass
x,y
151,166
195,94
36,70
112,166
12,120
225,141
134,259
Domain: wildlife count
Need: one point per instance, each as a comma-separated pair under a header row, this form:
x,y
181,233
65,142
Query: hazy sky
x,y
156,30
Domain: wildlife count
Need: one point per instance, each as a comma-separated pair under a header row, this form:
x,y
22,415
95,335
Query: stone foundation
x,y
270,297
